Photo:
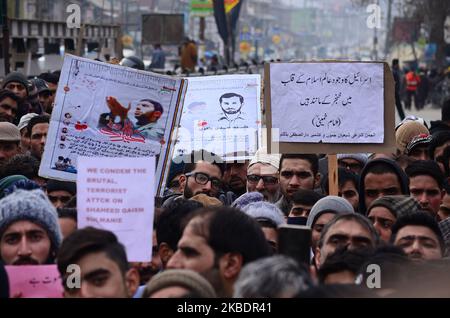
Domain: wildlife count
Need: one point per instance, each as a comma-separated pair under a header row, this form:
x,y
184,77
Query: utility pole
x,y
126,17
112,12
228,44
100,46
80,44
5,29
387,44
375,41
202,29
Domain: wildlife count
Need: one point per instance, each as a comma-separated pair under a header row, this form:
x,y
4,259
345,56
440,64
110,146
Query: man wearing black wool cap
x,y
60,192
426,185
17,83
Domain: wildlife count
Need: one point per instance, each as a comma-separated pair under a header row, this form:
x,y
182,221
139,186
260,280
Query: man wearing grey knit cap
x,y
384,211
323,212
354,162
29,230
269,217
17,83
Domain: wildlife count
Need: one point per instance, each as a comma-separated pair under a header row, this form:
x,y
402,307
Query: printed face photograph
x,y
231,103
148,110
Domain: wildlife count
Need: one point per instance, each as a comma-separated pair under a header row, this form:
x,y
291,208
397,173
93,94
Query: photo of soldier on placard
x,y
146,114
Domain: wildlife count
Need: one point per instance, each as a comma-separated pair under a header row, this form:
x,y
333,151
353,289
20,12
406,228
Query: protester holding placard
x,y
138,143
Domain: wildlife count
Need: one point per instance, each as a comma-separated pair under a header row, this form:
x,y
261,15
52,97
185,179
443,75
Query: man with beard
x,y
262,175
38,129
217,243
202,173
419,236
231,105
235,176
147,114
9,142
29,230
297,171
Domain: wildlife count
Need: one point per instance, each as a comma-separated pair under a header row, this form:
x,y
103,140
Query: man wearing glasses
x,y
202,173
354,162
262,175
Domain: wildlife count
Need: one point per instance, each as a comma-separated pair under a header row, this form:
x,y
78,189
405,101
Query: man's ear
x,y
132,281
157,114
317,179
230,265
317,257
165,253
182,180
313,273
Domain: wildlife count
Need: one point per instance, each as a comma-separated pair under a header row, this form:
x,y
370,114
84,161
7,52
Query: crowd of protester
x,y
216,230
